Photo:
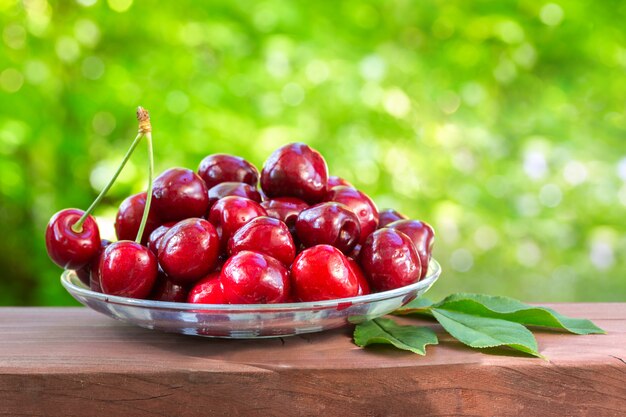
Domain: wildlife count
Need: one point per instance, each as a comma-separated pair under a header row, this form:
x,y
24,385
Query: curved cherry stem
x,y
146,209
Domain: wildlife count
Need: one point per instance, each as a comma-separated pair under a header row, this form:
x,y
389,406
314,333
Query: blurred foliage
x,y
501,123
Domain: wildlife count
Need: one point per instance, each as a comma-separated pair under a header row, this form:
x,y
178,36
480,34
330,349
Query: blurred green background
x,y
503,124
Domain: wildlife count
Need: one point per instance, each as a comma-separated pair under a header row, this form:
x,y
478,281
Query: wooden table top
x,y
73,361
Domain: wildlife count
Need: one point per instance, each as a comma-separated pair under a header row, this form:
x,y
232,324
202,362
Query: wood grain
x,y
74,362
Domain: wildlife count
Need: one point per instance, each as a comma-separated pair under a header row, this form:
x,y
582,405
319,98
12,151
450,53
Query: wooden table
x,y
75,362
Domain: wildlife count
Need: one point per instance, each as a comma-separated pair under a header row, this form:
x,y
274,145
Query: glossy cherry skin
x,y
390,260
422,235
226,189
218,168
334,181
208,291
68,249
157,235
329,223
178,194
127,269
389,216
91,269
129,217
264,235
285,209
166,290
360,204
323,273
364,286
295,170
189,250
255,278
230,213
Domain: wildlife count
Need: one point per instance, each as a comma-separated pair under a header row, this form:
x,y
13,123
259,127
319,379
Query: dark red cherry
x,y
323,273
255,278
355,252
217,168
189,250
329,223
230,213
295,170
364,286
334,181
389,216
226,189
208,291
166,290
86,272
422,235
129,217
390,260
69,249
179,194
264,235
127,269
157,235
360,204
285,209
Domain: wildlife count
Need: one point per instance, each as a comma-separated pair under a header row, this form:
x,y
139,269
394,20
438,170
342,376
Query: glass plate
x,y
243,321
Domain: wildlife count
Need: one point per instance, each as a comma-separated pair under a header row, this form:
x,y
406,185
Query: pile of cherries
x,y
214,237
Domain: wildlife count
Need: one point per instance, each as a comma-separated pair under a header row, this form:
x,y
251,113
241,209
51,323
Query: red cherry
x,y
157,235
422,235
189,250
226,189
389,216
129,217
264,235
208,291
323,273
360,204
127,269
67,248
255,278
390,260
364,286
331,224
285,209
166,290
295,170
230,213
334,181
179,194
217,168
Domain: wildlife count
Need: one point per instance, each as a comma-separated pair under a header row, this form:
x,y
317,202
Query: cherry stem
x,y
146,209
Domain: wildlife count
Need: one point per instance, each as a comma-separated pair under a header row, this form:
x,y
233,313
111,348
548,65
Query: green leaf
x,y
417,306
506,308
484,332
387,331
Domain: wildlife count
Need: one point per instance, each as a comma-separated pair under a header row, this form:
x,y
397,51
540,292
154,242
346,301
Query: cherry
x,y
329,223
323,273
166,290
389,216
364,286
189,250
355,252
127,269
334,181
295,170
254,278
422,235
87,271
264,235
157,235
179,194
230,213
208,291
226,189
285,209
390,260
129,217
360,204
68,248
217,168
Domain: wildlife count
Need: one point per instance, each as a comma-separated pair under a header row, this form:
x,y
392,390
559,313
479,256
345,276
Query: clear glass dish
x,y
243,321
